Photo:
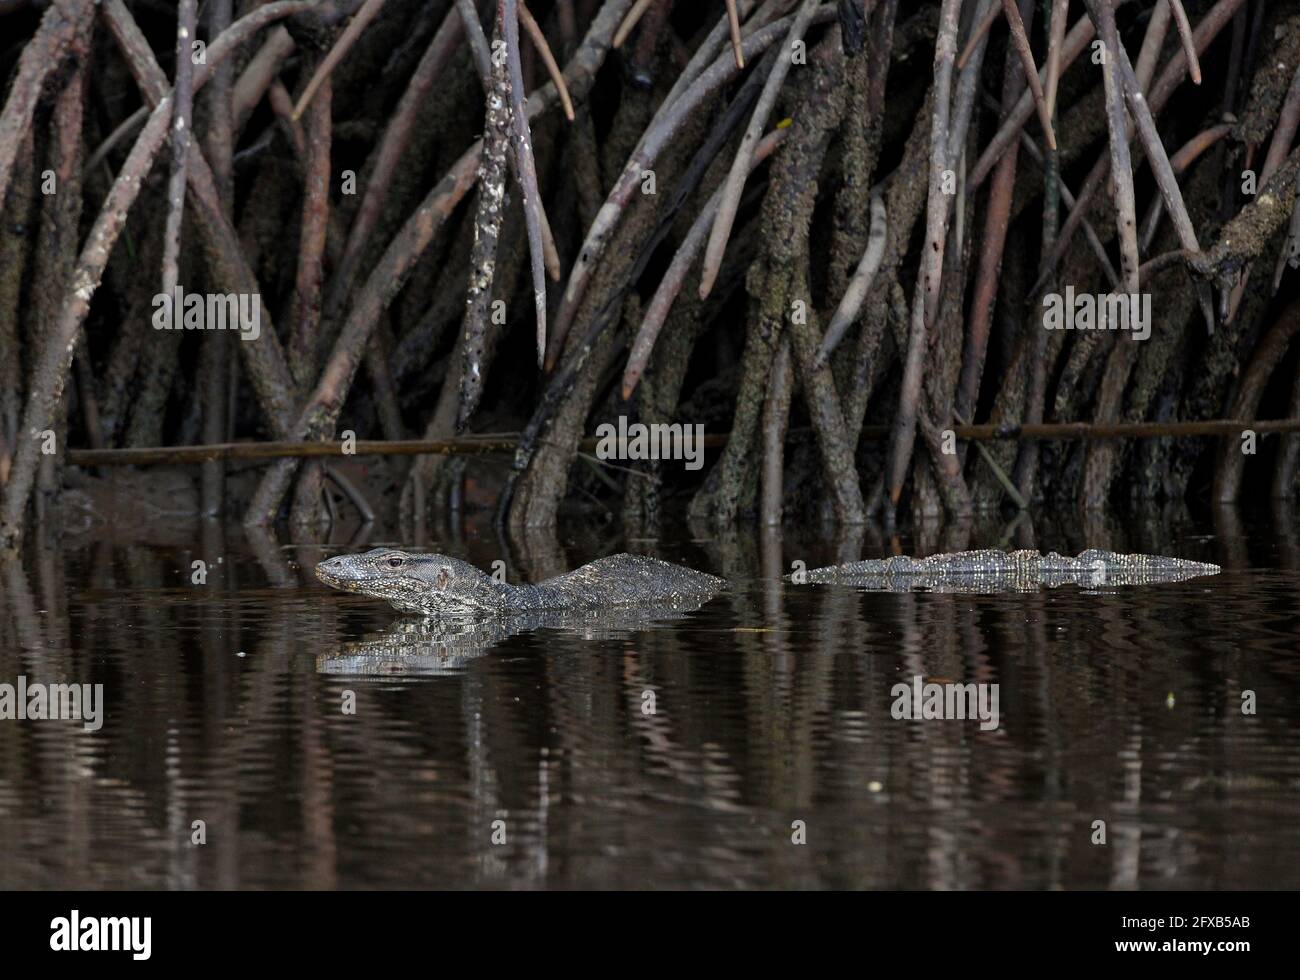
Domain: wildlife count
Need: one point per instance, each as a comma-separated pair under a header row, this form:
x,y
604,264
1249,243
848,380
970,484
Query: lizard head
x,y
432,585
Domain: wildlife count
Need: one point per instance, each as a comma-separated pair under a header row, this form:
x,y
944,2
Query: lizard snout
x,y
333,570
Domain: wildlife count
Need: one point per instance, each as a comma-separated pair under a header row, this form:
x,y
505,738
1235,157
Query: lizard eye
x,y
394,562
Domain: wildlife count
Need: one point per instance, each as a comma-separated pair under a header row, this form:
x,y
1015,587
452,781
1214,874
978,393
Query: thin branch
x,y
671,285
182,116
319,415
1153,43
478,47
487,232
629,23
977,35
1166,180
1076,41
1185,35
281,103
268,369
997,220
506,443
226,43
740,166
926,298
1121,166
1211,24
1021,41
368,12
1180,161
397,136
733,25
548,59
859,285
656,137
352,492
1055,42
41,55
525,165
1161,262
1068,198
306,307
712,44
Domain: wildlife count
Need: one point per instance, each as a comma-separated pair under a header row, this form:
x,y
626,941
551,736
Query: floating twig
x,y
507,443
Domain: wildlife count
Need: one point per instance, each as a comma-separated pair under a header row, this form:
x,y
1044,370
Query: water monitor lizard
x,y
435,585
991,570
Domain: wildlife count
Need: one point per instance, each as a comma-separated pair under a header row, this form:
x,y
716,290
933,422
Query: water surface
x,y
225,704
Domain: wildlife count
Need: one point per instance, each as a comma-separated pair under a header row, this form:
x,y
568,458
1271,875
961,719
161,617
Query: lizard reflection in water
x,y
446,645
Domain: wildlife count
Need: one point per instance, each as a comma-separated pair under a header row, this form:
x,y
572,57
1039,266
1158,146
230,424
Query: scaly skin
x,y
1017,571
435,585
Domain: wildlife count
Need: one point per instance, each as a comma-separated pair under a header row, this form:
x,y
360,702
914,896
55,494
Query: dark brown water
x,y
224,702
